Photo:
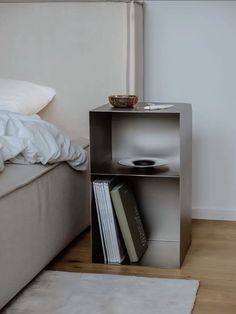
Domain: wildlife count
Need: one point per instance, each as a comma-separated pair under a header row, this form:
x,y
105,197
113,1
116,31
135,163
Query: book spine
x,y
107,216
100,223
124,226
103,220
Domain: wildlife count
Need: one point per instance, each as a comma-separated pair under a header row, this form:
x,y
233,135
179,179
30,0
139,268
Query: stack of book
x,y
119,221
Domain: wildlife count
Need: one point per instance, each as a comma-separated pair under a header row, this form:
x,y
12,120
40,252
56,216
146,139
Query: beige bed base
x,y
37,221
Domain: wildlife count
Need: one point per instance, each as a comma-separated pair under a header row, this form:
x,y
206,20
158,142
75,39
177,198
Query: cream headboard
x,y
86,51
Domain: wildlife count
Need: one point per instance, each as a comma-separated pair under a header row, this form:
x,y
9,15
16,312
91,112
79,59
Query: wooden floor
x,y
211,260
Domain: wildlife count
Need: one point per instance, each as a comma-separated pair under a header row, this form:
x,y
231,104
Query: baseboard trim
x,y
214,214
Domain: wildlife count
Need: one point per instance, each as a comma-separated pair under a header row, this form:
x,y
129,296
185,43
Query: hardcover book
x,y
130,221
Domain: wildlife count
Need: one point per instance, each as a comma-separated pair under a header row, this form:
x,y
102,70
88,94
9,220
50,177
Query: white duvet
x,y
28,140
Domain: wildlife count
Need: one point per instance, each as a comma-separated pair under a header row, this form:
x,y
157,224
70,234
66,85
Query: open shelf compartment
x,y
159,205
120,136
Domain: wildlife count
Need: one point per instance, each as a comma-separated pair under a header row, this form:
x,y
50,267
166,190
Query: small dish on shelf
x,y
143,162
123,101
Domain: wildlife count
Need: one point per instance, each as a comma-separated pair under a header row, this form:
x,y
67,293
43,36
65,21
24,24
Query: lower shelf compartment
x,y
159,204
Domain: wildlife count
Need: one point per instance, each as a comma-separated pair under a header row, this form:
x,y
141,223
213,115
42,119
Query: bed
x,y
44,187
43,208
34,229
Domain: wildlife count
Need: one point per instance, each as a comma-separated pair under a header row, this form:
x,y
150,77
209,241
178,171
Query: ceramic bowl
x,y
123,101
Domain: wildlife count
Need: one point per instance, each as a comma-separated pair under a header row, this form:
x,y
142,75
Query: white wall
x,y
190,56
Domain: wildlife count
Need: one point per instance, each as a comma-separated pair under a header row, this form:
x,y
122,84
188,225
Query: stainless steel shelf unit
x,y
163,195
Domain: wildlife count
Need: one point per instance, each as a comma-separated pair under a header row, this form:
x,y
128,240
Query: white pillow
x,y
24,97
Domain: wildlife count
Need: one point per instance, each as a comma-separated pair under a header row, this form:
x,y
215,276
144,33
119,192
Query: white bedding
x,y
28,140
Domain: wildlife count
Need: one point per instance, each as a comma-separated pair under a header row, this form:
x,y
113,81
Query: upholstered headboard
x,y
86,51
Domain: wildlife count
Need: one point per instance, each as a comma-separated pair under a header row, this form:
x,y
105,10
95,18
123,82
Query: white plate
x,y
129,162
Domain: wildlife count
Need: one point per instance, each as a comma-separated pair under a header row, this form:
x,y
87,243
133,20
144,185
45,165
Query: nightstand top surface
x,y
177,108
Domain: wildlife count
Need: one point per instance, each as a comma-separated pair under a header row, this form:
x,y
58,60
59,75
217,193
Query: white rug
x,y
75,293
